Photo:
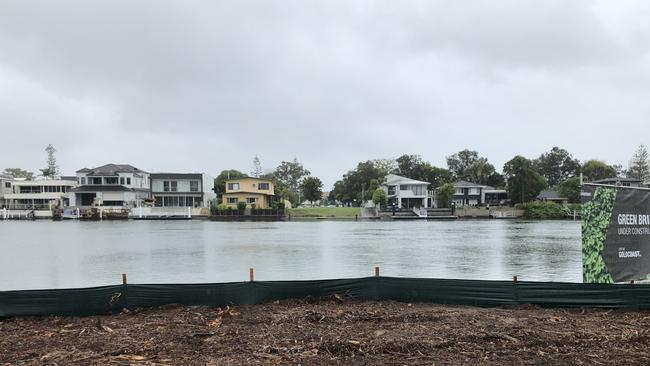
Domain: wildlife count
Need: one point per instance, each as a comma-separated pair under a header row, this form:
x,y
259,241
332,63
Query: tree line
x,y
522,178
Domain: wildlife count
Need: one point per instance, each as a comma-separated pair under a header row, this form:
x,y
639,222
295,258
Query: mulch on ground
x,y
332,331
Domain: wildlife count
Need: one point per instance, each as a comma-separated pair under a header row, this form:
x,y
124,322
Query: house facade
x,y
253,191
472,194
179,189
115,185
407,193
5,187
37,194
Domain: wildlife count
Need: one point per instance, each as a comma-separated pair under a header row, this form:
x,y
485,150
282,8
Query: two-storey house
x,y
253,191
40,194
111,185
407,193
472,194
179,189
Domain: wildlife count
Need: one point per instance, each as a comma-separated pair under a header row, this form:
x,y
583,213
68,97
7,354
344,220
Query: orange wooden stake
x,y
251,273
124,278
376,271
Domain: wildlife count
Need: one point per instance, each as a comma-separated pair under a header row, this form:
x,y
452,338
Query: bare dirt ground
x,y
332,332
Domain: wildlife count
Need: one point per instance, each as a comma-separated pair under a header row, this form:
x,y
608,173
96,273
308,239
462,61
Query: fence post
x,y
515,290
251,274
377,271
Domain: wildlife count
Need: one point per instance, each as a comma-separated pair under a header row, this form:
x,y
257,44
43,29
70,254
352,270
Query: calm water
x,y
45,254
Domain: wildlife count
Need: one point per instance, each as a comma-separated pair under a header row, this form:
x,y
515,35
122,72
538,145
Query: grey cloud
x,y
207,85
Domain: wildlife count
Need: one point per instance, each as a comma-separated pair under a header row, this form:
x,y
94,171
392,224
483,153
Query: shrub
x,y
379,197
543,210
241,206
222,207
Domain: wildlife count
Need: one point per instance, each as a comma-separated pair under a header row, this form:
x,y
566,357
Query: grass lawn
x,y
325,212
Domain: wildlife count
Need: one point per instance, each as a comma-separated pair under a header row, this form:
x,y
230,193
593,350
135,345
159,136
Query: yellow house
x,y
253,191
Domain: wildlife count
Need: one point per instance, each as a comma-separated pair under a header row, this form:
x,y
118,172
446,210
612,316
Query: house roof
x,y
198,176
110,170
398,179
550,195
466,184
262,179
614,180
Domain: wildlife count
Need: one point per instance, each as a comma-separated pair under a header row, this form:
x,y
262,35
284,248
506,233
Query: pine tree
x,y
257,167
639,166
52,170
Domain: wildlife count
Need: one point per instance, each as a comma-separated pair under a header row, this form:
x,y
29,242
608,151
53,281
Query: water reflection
x,y
71,254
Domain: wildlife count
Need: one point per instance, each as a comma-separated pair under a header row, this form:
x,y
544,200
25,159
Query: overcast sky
x,y
204,86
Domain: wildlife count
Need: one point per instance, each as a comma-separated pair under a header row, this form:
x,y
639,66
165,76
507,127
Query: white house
x,y
42,194
181,189
5,187
407,193
111,185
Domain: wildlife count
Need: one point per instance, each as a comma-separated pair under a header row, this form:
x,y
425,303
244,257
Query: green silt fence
x,y
112,299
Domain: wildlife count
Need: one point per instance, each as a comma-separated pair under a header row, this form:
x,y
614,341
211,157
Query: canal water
x,y
46,254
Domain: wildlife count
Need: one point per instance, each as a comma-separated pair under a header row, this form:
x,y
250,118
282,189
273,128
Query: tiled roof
x,y
110,170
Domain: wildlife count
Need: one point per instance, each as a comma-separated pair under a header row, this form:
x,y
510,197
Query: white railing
x,y
420,211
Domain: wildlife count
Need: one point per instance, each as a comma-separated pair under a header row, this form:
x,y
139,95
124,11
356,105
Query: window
x,y
128,180
194,186
251,200
111,180
263,186
96,181
232,200
121,180
391,190
83,180
166,186
174,186
233,186
404,188
7,184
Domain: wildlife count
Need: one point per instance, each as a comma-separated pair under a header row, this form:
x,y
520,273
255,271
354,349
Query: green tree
x,y
18,173
257,167
460,162
290,174
407,164
524,183
388,166
366,177
557,165
445,195
220,181
312,189
570,189
595,170
639,167
380,197
496,180
52,170
469,166
480,171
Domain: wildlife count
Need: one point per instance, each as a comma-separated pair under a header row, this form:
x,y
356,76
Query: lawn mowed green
x,y
325,212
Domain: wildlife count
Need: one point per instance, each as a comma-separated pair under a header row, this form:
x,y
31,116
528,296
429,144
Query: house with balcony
x,y
180,189
253,191
472,194
117,185
407,193
37,195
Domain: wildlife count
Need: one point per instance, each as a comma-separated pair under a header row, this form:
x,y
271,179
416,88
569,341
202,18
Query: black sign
x,y
615,234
